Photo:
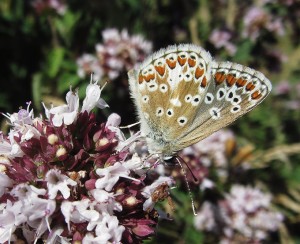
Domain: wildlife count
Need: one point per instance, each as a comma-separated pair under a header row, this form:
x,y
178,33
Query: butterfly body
x,y
182,96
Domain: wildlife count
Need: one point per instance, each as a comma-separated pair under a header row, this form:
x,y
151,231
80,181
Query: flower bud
x,y
52,139
130,201
61,151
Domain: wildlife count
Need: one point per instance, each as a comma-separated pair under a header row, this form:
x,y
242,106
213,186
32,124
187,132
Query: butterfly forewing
x,y
182,95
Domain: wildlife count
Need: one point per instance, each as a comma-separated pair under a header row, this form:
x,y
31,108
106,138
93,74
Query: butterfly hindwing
x,y
235,90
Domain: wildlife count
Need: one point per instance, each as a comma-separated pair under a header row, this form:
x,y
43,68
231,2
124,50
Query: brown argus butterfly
x,y
182,96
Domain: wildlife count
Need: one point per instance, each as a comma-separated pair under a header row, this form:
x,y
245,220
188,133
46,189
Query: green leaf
x,y
55,59
243,53
36,90
67,80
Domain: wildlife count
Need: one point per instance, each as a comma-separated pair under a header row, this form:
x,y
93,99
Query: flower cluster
x,y
69,178
290,93
243,216
257,19
221,39
57,6
119,52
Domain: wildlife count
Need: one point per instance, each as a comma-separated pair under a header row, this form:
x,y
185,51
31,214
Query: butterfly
x,y
182,96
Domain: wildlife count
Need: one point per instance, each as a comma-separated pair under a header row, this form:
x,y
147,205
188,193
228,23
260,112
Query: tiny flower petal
x,y
58,182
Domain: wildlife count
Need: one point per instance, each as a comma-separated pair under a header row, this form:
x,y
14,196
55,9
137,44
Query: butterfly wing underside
x,y
182,95
234,90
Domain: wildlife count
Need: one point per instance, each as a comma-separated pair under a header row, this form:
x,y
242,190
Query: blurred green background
x,y
42,48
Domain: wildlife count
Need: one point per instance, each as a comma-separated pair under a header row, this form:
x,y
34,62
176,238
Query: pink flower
x,y
282,88
71,180
257,19
89,64
220,38
57,6
118,53
244,213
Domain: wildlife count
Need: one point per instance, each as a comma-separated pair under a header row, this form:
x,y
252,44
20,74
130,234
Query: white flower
x,y
66,113
22,127
5,182
125,144
106,200
205,219
38,212
113,122
58,182
206,184
88,63
24,191
110,225
247,199
73,211
148,190
91,239
22,117
92,98
110,175
55,236
7,225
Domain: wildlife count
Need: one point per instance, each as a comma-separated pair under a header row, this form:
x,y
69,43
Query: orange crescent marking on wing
x,y
199,72
256,95
191,62
230,80
171,64
160,69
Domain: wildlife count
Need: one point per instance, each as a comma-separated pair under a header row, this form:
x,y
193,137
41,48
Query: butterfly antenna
x,y
182,160
187,183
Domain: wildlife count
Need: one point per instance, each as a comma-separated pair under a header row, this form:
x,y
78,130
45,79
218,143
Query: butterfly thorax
x,y
160,146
